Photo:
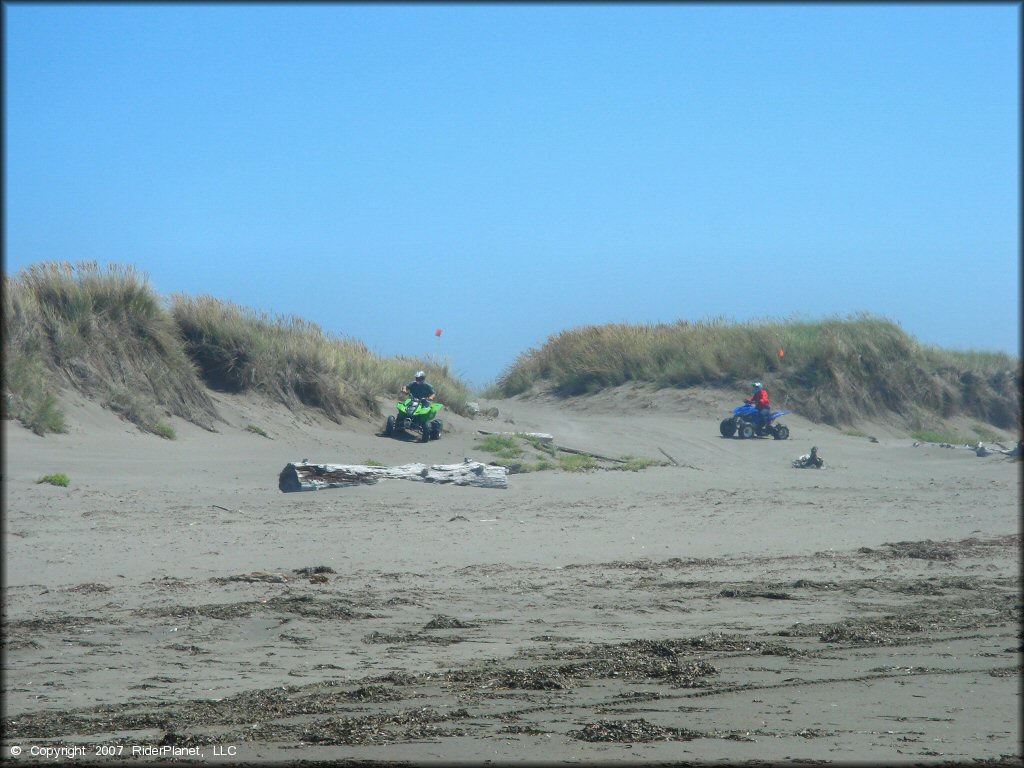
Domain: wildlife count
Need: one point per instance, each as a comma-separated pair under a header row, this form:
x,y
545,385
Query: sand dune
x,y
727,608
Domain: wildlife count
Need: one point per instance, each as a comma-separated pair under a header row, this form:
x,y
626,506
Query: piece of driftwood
x,y
303,476
676,463
597,456
542,437
809,460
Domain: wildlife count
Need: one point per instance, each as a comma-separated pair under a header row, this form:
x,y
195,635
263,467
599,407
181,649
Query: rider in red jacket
x,y
759,399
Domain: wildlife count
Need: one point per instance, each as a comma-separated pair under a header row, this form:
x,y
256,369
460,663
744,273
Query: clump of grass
x,y
373,463
139,409
510,452
832,371
29,394
932,436
43,414
258,431
635,464
539,466
986,434
503,446
575,462
854,433
59,479
164,430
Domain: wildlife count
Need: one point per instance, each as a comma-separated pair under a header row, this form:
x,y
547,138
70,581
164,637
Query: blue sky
x,y
506,172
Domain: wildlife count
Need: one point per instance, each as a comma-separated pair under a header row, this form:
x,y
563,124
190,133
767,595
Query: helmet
x,y
421,375
758,386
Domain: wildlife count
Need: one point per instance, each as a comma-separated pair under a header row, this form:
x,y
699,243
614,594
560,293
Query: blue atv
x,y
745,423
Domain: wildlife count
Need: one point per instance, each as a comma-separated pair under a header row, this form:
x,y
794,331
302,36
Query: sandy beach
x,y
724,608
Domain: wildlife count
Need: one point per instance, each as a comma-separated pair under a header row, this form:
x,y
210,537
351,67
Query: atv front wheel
x,y
746,430
727,427
389,426
435,429
781,432
426,433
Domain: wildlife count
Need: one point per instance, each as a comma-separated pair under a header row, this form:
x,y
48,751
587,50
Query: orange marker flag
x,y
782,353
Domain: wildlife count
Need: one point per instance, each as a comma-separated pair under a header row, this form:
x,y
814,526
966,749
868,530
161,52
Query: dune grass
x,y
237,349
294,361
985,434
834,371
104,332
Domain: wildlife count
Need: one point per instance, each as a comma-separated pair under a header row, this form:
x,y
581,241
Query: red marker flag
x,y
437,332
782,353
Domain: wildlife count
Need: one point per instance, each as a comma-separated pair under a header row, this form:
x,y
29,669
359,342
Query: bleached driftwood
x,y
303,476
542,437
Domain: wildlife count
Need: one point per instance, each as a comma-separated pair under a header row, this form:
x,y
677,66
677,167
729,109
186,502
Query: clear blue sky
x,y
506,172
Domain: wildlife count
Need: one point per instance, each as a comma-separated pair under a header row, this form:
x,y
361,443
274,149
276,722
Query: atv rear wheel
x,y
727,427
746,430
389,426
781,432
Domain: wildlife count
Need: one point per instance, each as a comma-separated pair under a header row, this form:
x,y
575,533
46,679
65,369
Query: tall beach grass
x,y
834,370
104,332
292,360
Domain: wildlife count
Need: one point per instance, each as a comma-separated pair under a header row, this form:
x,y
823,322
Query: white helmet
x,y
421,375
758,386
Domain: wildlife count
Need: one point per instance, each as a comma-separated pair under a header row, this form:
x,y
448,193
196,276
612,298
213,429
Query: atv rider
x,y
419,388
759,399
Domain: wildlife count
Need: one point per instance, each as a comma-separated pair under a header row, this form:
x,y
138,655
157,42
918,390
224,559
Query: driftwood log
x,y
303,476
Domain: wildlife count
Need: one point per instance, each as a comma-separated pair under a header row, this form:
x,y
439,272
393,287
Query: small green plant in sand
x,y
931,436
258,431
575,462
164,430
56,479
503,446
854,433
635,464
373,463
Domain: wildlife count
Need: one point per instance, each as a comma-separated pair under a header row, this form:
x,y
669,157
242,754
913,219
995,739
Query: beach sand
x,y
725,608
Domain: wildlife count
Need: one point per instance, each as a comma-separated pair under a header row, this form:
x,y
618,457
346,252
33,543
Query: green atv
x,y
417,415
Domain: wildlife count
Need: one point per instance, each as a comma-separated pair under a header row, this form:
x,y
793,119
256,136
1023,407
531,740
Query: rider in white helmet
x,y
419,388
